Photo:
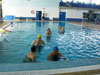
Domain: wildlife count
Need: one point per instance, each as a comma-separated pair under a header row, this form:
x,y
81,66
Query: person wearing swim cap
x,y
48,34
55,55
38,42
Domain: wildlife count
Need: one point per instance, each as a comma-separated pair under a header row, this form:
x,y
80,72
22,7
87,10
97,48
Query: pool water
x,y
76,43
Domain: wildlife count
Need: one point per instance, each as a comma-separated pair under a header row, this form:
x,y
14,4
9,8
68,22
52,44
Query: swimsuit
x,y
27,59
54,57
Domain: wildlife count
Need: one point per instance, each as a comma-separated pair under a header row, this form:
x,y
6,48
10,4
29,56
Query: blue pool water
x,y
76,43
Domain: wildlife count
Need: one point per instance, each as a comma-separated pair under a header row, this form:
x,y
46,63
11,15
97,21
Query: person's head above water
x,y
33,49
48,29
39,36
55,48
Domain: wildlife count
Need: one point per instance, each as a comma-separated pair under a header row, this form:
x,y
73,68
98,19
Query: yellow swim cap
x,y
39,36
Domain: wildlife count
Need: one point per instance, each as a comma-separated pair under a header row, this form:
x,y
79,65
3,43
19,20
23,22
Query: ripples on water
x,y
75,43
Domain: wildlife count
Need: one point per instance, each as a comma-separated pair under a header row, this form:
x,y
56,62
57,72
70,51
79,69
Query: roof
x,y
78,4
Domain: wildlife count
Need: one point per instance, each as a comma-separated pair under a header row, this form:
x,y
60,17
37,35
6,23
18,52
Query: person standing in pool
x,y
61,30
38,43
55,55
48,34
31,55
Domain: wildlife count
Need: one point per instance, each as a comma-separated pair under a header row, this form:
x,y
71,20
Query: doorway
x,y
38,15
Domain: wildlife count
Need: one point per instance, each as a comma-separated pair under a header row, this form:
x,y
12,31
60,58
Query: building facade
x,y
80,11
53,10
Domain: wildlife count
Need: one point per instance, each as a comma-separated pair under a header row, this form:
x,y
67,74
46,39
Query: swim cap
x,y
39,36
55,48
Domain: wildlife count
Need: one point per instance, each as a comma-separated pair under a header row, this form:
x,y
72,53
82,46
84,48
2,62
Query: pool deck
x,y
3,24
87,24
90,72
53,68
67,66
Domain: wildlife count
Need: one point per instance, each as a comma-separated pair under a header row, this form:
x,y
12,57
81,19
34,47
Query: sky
x,y
86,1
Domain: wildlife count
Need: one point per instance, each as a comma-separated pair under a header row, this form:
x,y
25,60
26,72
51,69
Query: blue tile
x,y
47,65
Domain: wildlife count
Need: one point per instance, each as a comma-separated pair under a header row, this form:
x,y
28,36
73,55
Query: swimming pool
x,y
76,43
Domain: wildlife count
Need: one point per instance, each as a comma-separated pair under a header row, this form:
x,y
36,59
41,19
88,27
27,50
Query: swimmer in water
x,y
48,34
38,43
61,30
31,57
55,55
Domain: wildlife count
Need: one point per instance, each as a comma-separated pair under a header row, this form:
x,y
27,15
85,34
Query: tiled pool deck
x,y
4,23
49,65
40,67
87,24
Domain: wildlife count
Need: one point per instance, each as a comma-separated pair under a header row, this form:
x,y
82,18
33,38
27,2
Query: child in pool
x,y
61,30
48,34
31,55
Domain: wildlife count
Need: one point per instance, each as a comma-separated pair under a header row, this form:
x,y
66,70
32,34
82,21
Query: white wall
x,y
62,10
74,13
23,7
97,12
